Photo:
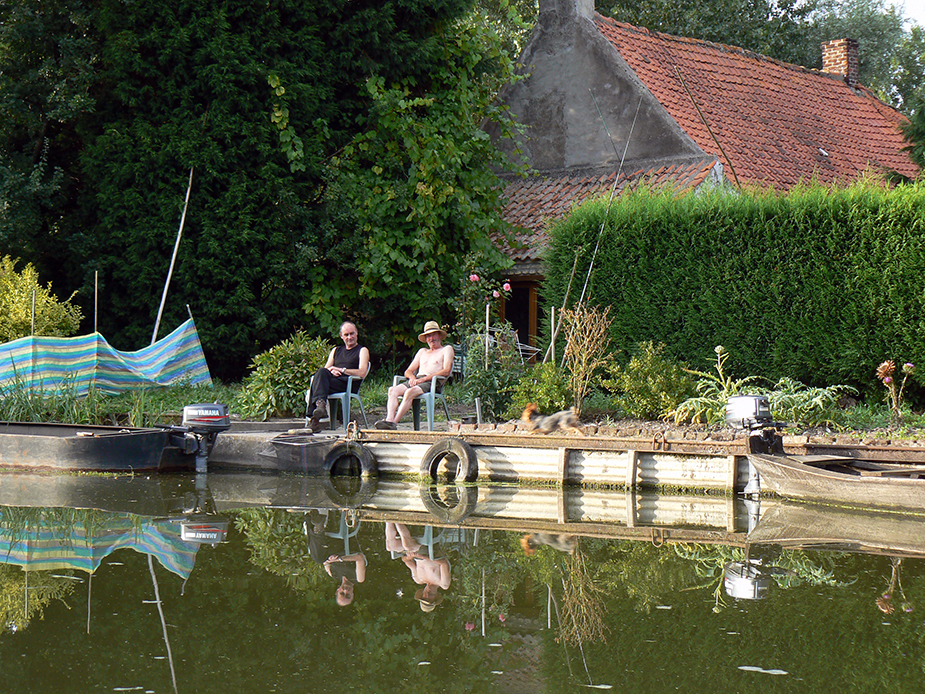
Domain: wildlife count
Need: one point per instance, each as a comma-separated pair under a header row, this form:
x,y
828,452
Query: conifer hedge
x,y
819,284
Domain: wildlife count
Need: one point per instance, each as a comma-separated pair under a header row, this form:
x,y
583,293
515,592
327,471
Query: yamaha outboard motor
x,y
202,423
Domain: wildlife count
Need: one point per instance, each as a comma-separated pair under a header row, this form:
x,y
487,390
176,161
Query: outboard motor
x,y
201,424
752,413
744,580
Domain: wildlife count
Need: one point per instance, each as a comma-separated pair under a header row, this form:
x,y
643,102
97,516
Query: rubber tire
x,y
350,498
344,450
468,470
445,512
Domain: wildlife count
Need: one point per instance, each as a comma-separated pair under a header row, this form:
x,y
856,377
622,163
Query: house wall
x,y
574,72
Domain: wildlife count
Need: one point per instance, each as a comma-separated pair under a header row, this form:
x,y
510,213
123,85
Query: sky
x,y
914,9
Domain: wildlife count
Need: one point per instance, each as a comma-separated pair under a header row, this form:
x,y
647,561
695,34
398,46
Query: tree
x,y
419,186
879,31
24,301
914,134
261,102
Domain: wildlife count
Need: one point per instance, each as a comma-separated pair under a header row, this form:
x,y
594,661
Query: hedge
x,y
818,284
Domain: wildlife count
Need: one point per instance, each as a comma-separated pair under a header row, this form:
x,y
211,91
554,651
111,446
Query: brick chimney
x,y
840,57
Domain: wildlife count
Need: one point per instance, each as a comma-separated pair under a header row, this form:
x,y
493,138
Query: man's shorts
x,y
426,386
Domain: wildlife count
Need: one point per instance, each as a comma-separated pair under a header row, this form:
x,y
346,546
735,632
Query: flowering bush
x,y
886,372
478,291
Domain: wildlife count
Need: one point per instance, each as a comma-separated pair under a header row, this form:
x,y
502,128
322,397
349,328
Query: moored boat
x,y
845,481
96,448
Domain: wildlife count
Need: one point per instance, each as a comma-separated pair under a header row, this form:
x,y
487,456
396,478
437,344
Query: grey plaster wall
x,y
568,61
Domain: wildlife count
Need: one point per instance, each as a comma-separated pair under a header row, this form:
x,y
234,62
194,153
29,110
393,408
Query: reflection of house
x,y
682,112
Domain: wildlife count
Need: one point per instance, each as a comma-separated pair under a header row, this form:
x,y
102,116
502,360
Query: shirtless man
x,y
436,360
432,574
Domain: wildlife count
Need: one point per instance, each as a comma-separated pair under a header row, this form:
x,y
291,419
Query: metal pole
x,y
33,313
96,298
173,259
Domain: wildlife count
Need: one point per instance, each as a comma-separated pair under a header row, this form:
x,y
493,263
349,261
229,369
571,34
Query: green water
x,y
257,613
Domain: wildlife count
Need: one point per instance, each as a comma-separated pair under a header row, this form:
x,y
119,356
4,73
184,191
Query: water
x,y
637,595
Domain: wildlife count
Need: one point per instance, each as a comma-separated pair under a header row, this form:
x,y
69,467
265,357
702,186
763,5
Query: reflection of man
x,y
436,360
351,569
349,360
432,574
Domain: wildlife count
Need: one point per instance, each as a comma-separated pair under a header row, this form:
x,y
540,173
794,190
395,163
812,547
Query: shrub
x,y
651,385
714,391
544,384
52,317
791,401
494,384
281,375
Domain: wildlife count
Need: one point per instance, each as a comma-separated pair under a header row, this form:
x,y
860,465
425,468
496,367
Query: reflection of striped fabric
x,y
75,364
46,546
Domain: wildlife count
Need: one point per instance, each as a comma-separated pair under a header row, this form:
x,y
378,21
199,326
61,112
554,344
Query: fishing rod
x,y
613,190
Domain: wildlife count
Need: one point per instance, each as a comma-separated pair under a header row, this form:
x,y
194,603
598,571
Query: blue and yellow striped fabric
x,y
45,546
76,364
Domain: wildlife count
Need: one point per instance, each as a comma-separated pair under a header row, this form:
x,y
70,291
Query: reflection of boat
x,y
812,526
842,480
77,447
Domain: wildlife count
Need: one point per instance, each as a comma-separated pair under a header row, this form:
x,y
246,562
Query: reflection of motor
x,y
745,581
201,425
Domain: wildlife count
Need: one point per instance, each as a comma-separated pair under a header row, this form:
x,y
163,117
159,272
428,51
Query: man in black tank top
x,y
348,360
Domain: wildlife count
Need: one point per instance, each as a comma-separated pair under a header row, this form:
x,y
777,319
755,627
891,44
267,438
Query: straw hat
x,y
427,605
431,327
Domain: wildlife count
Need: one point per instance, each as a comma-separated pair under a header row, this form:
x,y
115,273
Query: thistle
x,y
894,396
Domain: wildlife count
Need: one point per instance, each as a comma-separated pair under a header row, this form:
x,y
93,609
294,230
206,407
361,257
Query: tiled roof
x,y
534,202
777,123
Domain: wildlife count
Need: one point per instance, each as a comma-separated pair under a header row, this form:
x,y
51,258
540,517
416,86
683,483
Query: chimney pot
x,y
840,57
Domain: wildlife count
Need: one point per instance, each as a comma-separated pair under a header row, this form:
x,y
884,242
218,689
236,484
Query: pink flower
x,y
470,626
502,617
506,287
887,379
473,278
496,294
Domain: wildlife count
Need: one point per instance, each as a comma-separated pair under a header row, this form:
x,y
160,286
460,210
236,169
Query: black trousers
x,y
326,383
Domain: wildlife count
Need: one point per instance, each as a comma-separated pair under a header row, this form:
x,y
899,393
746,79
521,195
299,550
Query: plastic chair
x,y
342,398
430,398
346,530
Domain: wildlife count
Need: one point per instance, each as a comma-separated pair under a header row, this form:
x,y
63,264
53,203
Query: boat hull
x,y
83,448
789,477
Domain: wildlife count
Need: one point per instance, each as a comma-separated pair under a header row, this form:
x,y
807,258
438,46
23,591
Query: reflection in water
x,y
525,590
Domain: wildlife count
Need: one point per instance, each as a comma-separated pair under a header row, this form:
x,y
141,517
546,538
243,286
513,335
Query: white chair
x,y
430,398
343,399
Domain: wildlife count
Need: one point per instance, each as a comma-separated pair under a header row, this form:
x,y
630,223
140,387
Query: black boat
x,y
77,447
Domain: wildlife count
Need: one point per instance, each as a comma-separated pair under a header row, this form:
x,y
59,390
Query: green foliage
x,y
493,383
651,385
914,132
282,374
544,384
52,317
714,391
281,111
814,285
420,187
791,401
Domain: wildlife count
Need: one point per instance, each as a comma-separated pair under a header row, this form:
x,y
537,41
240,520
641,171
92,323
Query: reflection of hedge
x,y
819,284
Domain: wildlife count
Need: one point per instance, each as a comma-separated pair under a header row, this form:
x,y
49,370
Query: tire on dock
x,y
350,458
456,457
449,503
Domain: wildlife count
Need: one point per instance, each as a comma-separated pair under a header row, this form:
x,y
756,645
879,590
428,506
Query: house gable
x,y
575,77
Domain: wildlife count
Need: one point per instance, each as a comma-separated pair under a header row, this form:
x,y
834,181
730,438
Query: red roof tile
x,y
535,202
777,123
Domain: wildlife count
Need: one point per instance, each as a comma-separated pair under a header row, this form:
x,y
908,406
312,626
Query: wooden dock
x,y
675,459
